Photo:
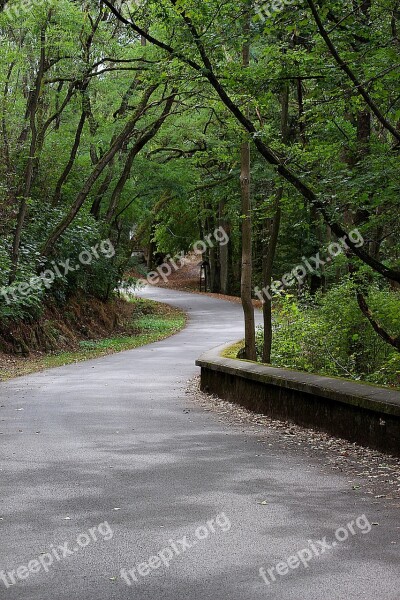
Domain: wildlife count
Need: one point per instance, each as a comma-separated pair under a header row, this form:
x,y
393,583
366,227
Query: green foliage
x,y
330,336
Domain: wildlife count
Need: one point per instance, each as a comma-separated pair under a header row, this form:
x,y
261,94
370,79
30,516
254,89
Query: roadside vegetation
x,y
144,322
326,334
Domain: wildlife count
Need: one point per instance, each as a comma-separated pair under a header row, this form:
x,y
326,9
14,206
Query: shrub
x,y
329,335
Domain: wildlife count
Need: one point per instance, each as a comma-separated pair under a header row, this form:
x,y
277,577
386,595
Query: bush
x,y
329,335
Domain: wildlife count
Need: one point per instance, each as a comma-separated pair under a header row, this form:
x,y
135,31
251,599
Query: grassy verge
x,y
232,351
151,322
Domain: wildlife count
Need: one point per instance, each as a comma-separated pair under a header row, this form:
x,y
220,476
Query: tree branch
x,y
346,69
383,334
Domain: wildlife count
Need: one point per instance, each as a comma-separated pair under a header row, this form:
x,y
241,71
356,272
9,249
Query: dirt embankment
x,y
62,328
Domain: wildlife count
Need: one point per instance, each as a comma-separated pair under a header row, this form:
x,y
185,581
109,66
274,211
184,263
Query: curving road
x,y
116,441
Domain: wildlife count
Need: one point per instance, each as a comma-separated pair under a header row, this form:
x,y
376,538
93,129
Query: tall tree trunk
x,y
247,262
101,192
272,241
247,259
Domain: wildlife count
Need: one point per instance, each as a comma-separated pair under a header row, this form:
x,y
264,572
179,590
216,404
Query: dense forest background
x,y
129,126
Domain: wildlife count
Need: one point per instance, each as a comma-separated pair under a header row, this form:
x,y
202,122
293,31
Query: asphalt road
x,y
109,460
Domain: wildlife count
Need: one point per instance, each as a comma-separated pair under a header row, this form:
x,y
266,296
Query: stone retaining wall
x,y
360,413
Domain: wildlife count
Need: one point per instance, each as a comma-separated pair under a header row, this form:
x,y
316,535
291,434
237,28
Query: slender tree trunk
x,y
68,167
246,278
268,263
246,290
116,195
151,247
105,184
272,241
